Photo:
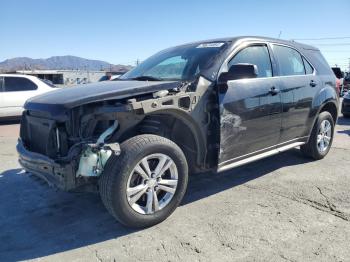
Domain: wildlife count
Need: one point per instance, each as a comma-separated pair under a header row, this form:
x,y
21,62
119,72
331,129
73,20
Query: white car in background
x,y
16,89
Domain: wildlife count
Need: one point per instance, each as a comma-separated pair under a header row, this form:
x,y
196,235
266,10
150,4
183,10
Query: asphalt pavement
x,y
283,208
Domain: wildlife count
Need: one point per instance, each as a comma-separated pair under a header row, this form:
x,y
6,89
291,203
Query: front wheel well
x,y
172,128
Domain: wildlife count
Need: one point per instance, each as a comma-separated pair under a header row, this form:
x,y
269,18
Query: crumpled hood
x,y
66,98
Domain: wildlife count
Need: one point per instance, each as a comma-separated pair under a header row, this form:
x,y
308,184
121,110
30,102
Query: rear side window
x,y
256,55
289,60
320,63
12,84
308,68
1,80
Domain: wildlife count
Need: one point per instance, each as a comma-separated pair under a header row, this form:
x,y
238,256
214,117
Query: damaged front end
x,y
69,147
71,152
83,162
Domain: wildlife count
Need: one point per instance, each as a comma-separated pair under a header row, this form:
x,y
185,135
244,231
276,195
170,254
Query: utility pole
x,y
137,62
279,35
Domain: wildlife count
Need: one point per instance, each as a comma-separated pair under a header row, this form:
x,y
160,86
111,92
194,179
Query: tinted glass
x,y
256,55
289,60
181,63
171,68
18,84
308,68
320,63
1,84
337,72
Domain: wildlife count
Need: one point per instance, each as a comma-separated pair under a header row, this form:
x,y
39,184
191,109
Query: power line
x,y
335,44
322,38
335,51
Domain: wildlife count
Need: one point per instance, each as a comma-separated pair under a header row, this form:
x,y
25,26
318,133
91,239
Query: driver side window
x,y
256,55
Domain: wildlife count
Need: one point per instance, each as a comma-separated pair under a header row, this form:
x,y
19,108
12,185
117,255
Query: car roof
x,y
258,38
18,75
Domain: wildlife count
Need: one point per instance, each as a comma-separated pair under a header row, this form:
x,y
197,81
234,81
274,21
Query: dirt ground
x,y
283,208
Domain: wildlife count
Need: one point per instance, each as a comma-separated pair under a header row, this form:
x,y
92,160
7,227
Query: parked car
x,y
16,89
339,81
345,108
206,106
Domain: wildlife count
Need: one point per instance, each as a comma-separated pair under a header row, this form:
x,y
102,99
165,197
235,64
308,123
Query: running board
x,y
259,156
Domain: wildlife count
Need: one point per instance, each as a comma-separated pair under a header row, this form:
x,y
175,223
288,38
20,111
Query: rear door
x,y
250,114
299,85
16,90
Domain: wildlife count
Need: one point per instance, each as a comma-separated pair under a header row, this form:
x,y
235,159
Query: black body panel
x,y
297,99
250,117
56,103
253,121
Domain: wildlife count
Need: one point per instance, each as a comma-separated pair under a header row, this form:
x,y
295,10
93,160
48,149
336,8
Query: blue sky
x,y
124,31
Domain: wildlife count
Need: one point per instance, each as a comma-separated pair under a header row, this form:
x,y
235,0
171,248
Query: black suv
x,y
210,105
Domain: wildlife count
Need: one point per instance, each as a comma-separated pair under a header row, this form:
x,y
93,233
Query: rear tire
x,y
321,137
125,175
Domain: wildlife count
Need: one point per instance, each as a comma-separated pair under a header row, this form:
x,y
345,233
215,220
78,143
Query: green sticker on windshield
x,y
209,45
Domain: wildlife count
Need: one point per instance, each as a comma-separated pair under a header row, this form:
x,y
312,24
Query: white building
x,y
66,77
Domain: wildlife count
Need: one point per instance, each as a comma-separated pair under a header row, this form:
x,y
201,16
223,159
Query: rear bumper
x,y
59,175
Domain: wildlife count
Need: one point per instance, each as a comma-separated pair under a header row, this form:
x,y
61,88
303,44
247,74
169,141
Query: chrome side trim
x,y
259,156
261,150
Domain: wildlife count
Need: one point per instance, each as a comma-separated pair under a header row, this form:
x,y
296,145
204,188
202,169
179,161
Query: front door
x,y
250,109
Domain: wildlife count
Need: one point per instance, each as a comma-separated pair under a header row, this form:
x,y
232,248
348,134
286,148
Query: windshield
x,y
183,63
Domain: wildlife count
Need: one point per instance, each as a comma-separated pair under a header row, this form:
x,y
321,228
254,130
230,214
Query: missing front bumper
x,y
61,176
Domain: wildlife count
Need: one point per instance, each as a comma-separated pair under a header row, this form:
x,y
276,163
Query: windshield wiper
x,y
147,78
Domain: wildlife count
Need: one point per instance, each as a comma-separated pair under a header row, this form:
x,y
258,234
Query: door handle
x,y
313,83
274,91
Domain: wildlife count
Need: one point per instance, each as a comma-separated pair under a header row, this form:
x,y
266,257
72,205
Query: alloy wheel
x,y
152,183
324,136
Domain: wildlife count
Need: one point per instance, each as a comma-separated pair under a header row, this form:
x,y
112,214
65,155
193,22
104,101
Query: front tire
x,y
146,183
321,137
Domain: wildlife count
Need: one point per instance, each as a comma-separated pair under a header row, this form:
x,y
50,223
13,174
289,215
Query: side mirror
x,y
238,71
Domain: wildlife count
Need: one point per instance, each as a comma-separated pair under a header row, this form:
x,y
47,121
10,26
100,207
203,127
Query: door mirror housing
x,y
239,71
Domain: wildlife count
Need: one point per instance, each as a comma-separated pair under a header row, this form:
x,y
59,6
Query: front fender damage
x,y
122,119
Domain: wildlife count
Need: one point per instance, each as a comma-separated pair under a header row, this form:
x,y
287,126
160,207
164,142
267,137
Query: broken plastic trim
x,y
107,133
95,156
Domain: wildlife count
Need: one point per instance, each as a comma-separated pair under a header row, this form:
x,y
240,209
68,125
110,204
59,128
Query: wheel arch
x,y
326,99
330,107
178,126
